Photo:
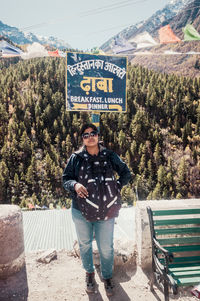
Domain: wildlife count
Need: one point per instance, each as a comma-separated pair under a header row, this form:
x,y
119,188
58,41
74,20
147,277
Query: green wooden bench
x,y
175,236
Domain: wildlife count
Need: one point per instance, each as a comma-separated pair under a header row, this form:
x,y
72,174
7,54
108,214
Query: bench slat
x,y
186,274
180,265
183,261
183,248
179,240
188,281
190,268
186,221
187,259
176,212
177,231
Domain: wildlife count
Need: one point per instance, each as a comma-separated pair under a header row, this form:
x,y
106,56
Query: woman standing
x,y
95,193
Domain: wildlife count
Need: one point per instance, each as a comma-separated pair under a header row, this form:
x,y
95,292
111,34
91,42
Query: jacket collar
x,y
82,152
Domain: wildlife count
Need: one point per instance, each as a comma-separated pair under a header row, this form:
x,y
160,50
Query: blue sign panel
x,y
96,82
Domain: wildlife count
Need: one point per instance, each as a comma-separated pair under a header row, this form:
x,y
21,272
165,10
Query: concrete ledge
x,y
12,257
143,238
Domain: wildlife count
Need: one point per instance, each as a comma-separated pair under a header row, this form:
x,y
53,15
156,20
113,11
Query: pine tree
x,y
68,146
16,190
157,193
122,140
4,182
158,155
184,137
182,181
150,175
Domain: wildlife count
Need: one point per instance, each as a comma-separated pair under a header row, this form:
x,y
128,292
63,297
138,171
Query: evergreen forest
x,y
158,136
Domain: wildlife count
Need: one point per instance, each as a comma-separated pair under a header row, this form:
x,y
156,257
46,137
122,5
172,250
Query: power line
x,y
111,7
98,11
124,25
91,12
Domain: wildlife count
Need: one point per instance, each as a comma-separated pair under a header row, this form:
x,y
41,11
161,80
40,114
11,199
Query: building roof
x,y
47,229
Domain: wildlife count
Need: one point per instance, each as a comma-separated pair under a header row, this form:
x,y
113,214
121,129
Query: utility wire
x,y
111,7
120,26
83,15
90,12
98,11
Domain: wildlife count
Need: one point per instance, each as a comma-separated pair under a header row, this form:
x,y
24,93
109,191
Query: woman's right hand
x,y
81,190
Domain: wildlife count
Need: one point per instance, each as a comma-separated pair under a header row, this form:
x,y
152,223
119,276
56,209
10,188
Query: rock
x,y
124,252
47,256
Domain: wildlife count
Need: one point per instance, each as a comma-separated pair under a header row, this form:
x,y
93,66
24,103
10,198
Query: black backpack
x,y
104,199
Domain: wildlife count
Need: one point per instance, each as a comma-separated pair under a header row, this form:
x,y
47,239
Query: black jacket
x,y
71,171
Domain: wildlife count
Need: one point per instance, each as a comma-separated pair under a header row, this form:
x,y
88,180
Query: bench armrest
x,y
158,264
168,255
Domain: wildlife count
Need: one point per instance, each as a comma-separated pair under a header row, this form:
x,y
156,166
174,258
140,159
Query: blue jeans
x,y
103,231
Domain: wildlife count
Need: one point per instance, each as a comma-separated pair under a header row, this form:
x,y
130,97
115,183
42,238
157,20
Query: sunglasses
x,y
91,134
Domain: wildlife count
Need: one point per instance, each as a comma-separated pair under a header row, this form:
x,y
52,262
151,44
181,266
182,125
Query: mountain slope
x,y
149,25
189,15
187,65
19,37
184,65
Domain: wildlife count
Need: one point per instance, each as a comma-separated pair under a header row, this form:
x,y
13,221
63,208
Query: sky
x,y
83,24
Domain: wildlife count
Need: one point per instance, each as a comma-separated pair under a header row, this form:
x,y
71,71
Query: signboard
x,y
96,82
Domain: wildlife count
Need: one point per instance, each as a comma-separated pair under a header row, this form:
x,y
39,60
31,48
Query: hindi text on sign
x,y
91,83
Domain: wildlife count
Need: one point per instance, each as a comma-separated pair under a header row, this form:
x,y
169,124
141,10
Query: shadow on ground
x,y
121,274
14,287
156,287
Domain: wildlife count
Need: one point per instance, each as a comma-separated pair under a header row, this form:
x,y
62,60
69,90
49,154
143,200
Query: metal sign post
x,y
96,120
